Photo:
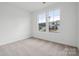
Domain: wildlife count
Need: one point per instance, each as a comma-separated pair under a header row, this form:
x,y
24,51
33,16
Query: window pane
x,y
51,16
56,15
54,20
42,22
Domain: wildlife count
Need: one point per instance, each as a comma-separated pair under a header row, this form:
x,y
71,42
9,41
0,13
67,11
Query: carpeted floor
x,y
36,47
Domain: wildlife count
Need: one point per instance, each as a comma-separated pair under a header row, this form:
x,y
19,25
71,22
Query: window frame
x,y
47,21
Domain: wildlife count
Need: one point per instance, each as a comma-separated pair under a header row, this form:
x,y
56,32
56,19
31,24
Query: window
x,y
42,22
53,20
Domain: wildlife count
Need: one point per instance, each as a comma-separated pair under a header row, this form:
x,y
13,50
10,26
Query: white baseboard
x,y
12,41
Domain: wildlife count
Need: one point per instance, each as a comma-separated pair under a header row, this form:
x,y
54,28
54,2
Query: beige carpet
x,y
36,47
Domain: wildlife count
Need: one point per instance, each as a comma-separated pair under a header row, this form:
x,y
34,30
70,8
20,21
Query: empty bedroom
x,y
39,28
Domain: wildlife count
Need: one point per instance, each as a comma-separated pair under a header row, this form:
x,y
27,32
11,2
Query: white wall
x,y
78,24
68,33
14,24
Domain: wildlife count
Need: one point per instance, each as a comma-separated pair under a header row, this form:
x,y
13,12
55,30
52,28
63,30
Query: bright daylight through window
x,y
53,18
